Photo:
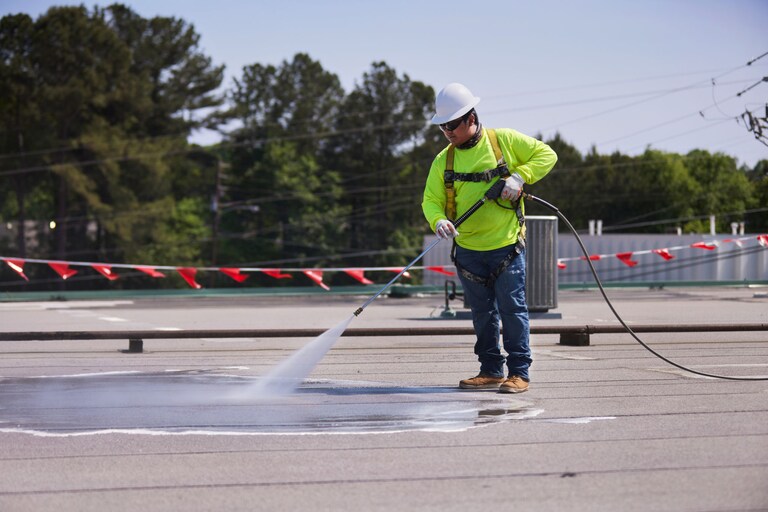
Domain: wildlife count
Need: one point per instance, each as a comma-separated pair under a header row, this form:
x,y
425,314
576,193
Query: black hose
x,y
613,310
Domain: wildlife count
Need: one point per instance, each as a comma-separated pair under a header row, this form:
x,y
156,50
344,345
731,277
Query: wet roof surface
x,y
212,402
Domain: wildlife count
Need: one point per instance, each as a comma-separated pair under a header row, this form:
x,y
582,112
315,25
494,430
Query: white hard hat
x,y
452,102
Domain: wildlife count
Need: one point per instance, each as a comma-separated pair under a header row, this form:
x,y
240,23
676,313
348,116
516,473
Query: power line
x,y
681,134
328,134
692,85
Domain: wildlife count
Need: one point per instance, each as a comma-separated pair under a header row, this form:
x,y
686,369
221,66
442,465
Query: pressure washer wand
x,y
493,193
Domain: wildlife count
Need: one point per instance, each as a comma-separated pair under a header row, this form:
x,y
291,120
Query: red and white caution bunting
x,y
62,268
234,273
106,271
317,277
150,271
666,253
188,274
358,275
240,274
626,258
17,265
441,270
276,273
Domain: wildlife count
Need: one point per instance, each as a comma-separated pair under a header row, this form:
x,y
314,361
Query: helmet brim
x,y
437,119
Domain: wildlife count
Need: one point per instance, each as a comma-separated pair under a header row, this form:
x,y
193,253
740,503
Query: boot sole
x,y
512,390
484,386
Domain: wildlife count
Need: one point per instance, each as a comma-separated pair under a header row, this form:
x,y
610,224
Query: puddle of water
x,y
195,402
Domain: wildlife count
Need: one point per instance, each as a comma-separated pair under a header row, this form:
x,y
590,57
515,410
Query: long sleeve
x,y
529,157
433,202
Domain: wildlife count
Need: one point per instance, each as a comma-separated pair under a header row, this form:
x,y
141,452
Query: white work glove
x,y
513,187
445,229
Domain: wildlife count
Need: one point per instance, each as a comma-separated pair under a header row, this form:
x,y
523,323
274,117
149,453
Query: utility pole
x,y
216,213
20,183
216,207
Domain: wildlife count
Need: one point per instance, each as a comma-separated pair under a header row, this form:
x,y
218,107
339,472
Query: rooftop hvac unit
x,y
541,262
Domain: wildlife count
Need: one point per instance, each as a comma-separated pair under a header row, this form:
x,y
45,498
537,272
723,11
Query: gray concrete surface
x,y
379,424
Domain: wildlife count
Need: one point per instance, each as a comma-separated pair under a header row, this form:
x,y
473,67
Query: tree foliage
x,y
97,106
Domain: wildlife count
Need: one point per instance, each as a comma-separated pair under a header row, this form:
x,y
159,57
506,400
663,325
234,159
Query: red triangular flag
x,y
106,271
593,257
276,273
704,245
151,271
17,265
561,265
762,240
317,277
234,273
441,270
188,274
405,274
358,274
62,269
664,253
626,258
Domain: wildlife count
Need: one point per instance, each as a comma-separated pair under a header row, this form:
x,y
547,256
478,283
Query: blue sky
x,y
620,75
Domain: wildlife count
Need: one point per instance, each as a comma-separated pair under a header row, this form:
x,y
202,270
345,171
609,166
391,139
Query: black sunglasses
x,y
451,125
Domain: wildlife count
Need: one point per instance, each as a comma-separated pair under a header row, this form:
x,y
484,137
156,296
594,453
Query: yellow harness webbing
x,y
450,190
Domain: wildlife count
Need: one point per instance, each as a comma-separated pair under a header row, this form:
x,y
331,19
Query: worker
x,y
489,251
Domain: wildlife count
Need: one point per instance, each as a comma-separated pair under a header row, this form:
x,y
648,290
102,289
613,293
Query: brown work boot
x,y
514,384
481,382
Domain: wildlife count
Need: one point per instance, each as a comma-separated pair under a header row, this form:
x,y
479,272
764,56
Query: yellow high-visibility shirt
x,y
491,227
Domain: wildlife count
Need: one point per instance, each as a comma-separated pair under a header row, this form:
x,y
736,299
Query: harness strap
x,y
495,145
489,281
449,176
450,191
476,177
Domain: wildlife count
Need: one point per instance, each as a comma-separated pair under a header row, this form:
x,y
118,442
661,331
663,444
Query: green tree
x,y
177,80
18,113
384,118
284,204
757,222
96,110
723,189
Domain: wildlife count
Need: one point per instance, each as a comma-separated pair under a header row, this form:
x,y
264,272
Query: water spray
x,y
287,376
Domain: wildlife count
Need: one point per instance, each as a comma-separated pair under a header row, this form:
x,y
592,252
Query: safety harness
x,y
502,171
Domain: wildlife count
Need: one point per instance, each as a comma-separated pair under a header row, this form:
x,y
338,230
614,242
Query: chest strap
x,y
449,176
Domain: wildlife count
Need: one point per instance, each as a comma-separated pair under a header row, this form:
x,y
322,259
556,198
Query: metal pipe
x,y
366,332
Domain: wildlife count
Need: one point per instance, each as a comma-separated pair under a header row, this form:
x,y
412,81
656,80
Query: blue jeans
x,y
503,303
